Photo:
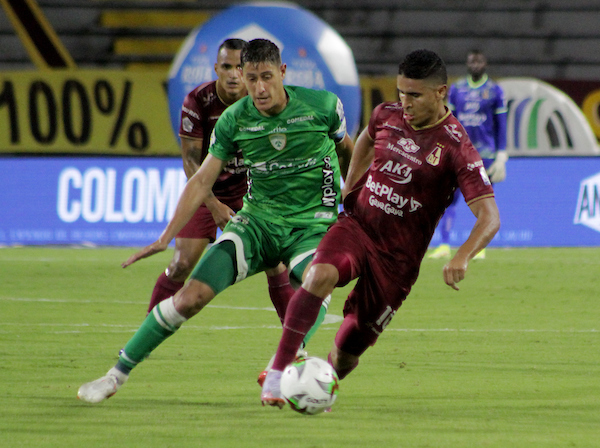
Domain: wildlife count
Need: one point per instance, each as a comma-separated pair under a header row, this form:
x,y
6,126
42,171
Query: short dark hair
x,y
233,44
475,51
423,64
261,50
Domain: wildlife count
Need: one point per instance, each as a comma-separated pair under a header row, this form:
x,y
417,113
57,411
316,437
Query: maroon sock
x,y
280,292
301,315
164,288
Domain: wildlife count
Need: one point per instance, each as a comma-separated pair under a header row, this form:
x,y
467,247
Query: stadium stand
x,y
540,38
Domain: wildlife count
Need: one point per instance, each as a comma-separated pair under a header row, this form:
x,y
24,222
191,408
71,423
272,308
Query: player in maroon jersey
x,y
403,174
200,111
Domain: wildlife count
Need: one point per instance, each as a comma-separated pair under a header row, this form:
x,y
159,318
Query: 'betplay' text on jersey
x,y
293,169
412,180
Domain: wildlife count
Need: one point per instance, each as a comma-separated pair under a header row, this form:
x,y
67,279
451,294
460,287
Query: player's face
x,y
422,100
229,76
264,82
476,65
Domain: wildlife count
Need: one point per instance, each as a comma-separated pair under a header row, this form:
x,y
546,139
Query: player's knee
x,y
179,269
321,279
192,298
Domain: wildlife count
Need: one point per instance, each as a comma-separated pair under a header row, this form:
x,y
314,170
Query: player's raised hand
x,y
154,248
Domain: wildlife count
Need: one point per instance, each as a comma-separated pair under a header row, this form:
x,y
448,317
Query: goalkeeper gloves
x,y
497,170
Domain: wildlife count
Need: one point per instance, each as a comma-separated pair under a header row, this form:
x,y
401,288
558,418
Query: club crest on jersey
x,y
434,158
278,141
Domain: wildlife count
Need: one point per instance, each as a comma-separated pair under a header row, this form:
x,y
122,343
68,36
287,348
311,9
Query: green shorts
x,y
259,245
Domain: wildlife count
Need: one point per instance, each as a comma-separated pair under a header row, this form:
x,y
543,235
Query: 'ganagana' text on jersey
x,y
412,180
293,170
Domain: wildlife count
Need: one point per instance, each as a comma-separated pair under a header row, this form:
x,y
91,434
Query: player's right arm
x,y
362,157
197,190
484,229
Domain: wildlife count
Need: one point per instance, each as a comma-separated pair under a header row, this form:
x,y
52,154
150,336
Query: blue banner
x,y
95,201
128,201
542,202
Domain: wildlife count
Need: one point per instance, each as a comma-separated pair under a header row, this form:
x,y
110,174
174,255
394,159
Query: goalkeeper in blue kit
x,y
479,105
295,146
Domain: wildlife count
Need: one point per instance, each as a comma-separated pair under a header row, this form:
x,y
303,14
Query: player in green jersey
x,y
295,147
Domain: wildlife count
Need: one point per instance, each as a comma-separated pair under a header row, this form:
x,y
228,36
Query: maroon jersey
x,y
412,180
201,109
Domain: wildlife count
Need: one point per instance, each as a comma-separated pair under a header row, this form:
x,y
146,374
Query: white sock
x,y
166,313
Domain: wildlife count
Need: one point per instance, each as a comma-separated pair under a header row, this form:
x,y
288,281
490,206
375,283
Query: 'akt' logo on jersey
x,y
408,145
278,141
399,173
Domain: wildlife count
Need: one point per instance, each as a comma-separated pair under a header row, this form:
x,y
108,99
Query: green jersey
x,y
293,169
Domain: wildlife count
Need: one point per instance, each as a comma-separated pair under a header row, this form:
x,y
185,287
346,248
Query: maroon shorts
x,y
384,281
202,225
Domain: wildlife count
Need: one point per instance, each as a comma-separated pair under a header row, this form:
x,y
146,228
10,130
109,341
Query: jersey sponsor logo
x,y
471,119
189,111
472,106
475,165
388,200
452,130
324,215
187,125
209,98
484,176
278,141
399,173
393,106
252,128
478,166
386,207
300,119
237,219
391,126
403,153
283,166
329,192
434,158
409,145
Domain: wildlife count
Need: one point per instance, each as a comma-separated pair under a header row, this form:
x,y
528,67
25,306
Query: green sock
x,y
161,323
318,322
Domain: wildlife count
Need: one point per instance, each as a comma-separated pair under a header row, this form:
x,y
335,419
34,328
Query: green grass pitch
x,y
511,360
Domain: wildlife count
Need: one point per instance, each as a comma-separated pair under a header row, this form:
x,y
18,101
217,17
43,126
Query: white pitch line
x,y
335,319
329,319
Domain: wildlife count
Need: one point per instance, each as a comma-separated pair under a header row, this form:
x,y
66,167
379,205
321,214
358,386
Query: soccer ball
x,y
310,385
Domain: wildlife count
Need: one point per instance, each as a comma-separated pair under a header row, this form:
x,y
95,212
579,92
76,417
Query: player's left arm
x,y
484,229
